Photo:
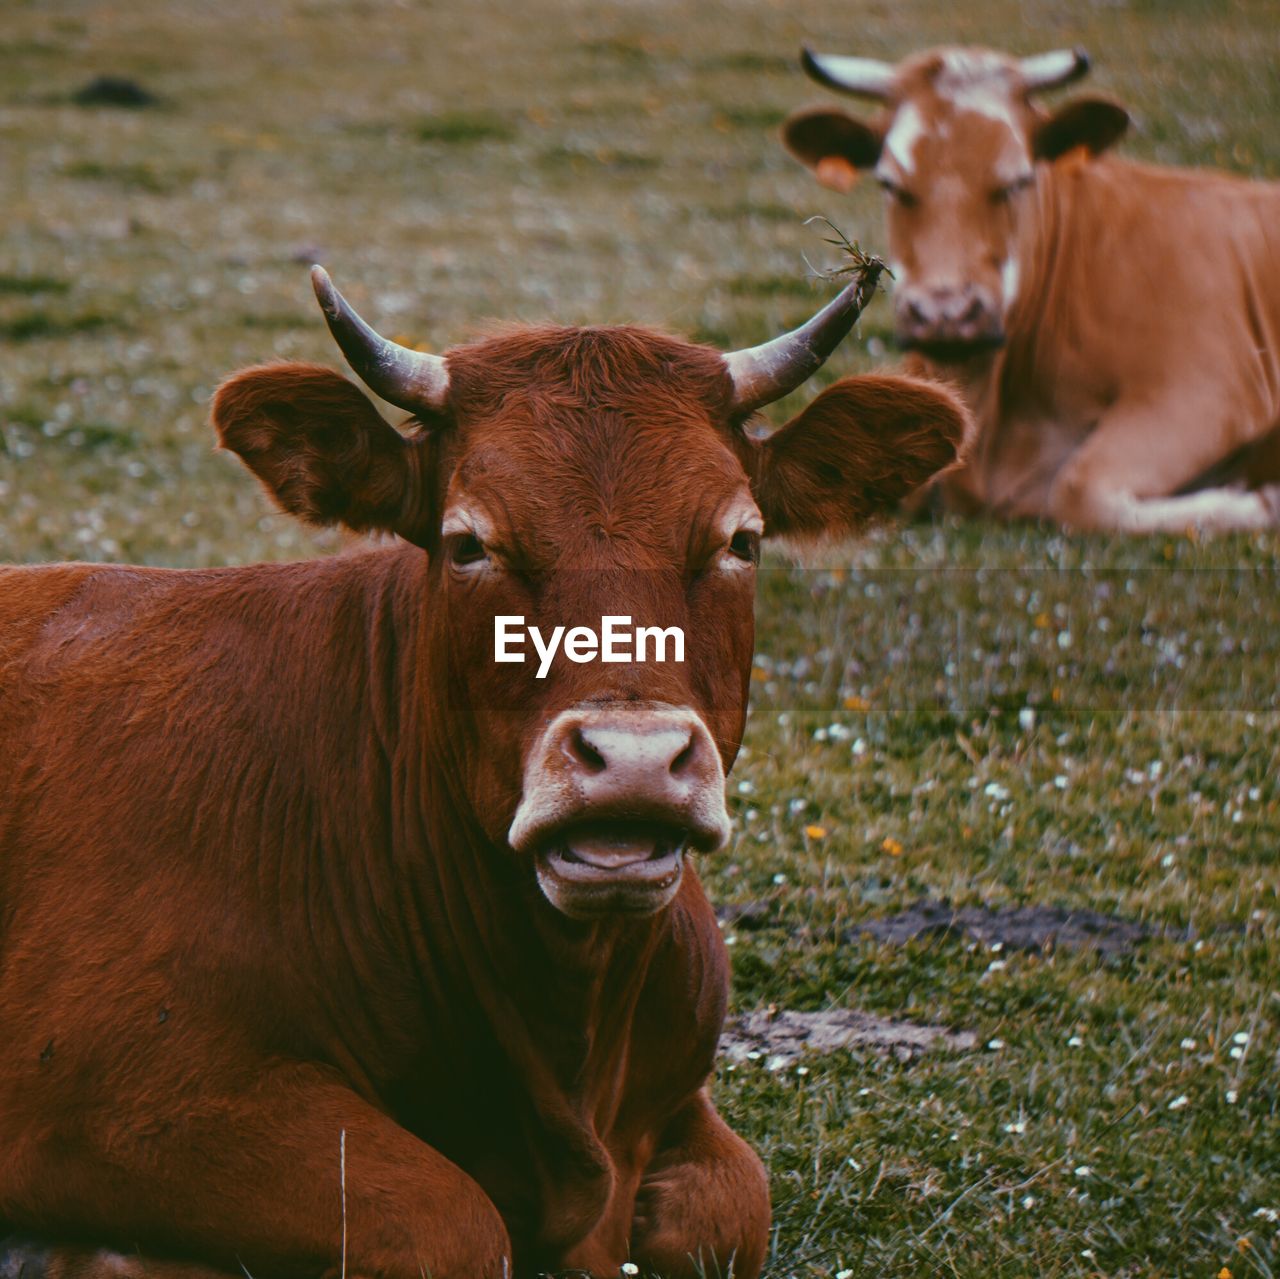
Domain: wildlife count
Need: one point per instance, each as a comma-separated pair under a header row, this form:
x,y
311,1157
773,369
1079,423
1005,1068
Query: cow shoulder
x,y
323,451
855,452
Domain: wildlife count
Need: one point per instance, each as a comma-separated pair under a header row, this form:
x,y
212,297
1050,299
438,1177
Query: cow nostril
x,y
682,761
581,751
973,312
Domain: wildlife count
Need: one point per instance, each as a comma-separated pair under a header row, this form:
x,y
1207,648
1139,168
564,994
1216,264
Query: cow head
x,y
955,149
566,476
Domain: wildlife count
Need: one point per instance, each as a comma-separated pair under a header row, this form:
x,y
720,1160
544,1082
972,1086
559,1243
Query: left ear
x,y
1092,123
861,447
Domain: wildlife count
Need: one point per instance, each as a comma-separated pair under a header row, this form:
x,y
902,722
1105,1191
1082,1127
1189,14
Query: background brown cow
x,y
330,944
1114,326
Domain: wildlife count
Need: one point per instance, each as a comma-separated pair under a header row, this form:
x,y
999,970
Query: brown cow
x,y
1115,327
329,944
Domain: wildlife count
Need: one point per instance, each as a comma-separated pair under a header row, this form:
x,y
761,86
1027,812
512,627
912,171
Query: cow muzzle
x,y
615,796
951,323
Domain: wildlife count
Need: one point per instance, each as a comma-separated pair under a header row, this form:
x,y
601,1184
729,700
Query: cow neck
x,y
993,386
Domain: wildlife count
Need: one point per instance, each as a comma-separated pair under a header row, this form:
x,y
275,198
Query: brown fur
x,y
258,903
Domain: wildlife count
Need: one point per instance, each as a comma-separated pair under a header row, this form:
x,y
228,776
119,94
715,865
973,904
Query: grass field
x,y
972,713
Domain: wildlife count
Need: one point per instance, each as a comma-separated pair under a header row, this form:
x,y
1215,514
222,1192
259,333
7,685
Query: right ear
x,y
833,144
854,453
1094,124
324,452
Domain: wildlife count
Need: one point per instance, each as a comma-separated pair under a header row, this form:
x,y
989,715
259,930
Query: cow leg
x,y
703,1203
298,1177
1127,475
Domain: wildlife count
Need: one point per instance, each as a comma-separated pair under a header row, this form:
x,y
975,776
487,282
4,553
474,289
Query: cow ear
x,y
1093,124
861,447
834,145
323,451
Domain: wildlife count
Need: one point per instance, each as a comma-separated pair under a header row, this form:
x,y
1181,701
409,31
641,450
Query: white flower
x,y
1083,1170
995,1044
1019,1126
796,806
1237,1053
1028,1201
1187,1045
630,1268
844,1274
775,1063
859,747
746,787
1087,1252
1026,719
1064,639
753,1055
993,790
1167,860
779,878
1267,1214
1061,781
802,1070
1075,1042
1232,1096
1179,1102
996,965
1240,1037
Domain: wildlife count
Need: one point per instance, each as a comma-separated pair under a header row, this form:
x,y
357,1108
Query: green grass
x,y
1022,717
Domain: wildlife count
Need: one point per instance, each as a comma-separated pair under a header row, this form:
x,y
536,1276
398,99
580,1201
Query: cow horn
x,y
866,77
762,374
408,379
1053,70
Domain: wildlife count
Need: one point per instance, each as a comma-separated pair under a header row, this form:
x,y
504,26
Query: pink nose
x,y
964,315
645,762
663,758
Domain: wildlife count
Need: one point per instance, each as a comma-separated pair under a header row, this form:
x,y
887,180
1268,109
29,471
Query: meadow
x,y
973,715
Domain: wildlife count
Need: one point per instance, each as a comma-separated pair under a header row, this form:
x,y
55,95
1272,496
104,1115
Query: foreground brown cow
x,y
1115,327
328,944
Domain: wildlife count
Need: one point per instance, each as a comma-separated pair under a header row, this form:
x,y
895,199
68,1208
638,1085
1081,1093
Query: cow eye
x,y
466,549
745,545
895,192
1002,195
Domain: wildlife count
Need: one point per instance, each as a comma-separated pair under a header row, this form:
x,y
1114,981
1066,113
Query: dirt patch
x,y
1043,928
780,1037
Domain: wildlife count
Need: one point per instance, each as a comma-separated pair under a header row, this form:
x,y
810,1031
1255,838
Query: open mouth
x,y
627,867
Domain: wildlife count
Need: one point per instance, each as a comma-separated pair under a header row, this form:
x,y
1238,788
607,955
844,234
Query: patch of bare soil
x,y
781,1037
1043,928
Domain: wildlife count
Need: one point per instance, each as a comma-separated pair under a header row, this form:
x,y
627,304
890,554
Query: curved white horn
x,y
866,77
762,374
1052,70
408,379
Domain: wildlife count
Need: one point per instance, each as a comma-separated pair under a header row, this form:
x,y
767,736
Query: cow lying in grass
x,y
1115,327
329,944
